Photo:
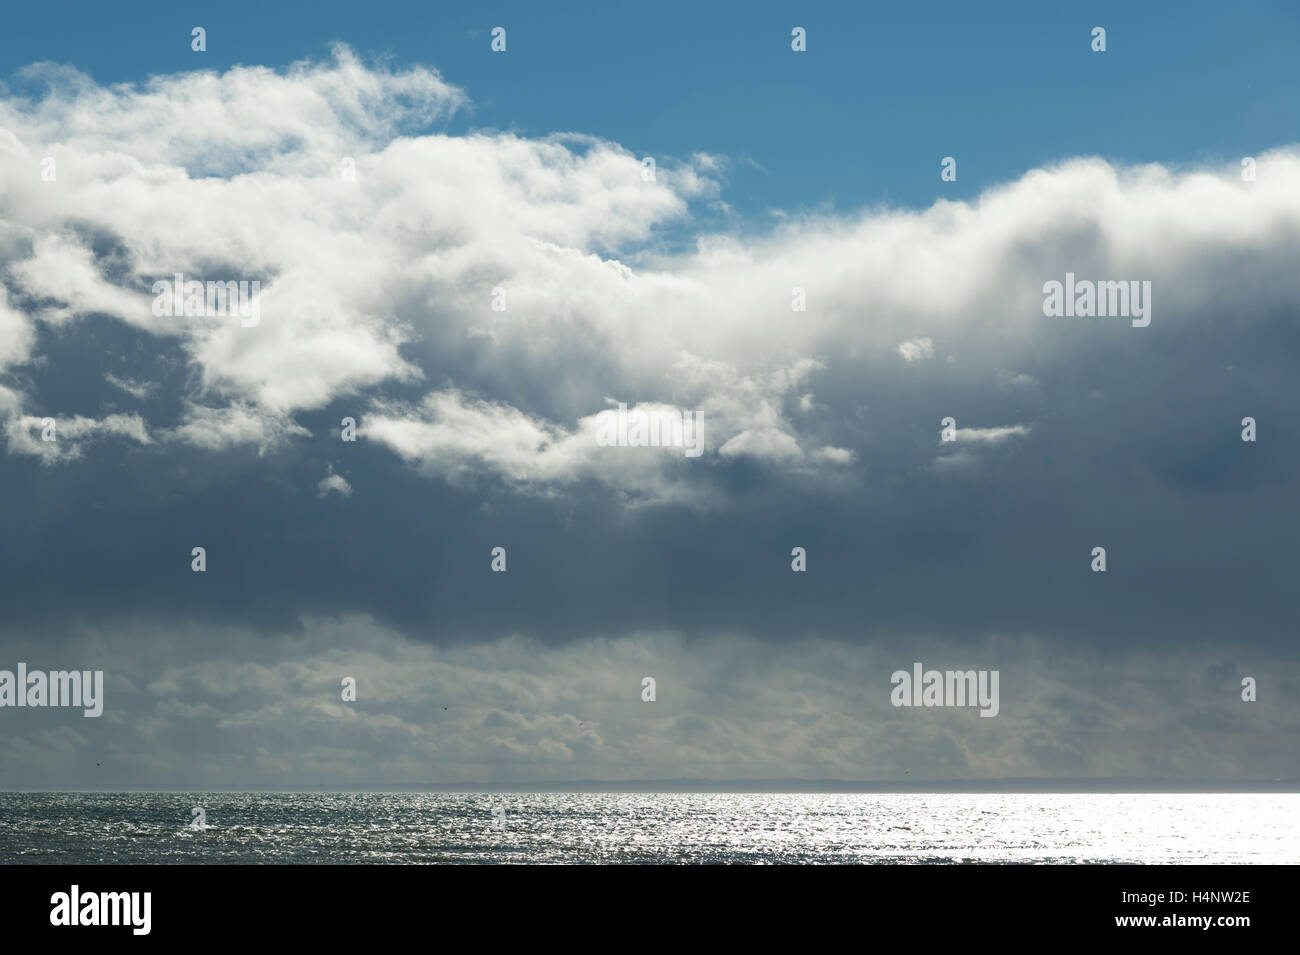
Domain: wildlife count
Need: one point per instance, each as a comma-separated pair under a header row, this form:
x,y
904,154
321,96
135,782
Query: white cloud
x,y
374,286
762,443
216,429
917,349
136,389
992,435
840,456
26,434
461,439
333,483
17,334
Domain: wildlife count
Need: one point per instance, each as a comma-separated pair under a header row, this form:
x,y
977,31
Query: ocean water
x,y
38,828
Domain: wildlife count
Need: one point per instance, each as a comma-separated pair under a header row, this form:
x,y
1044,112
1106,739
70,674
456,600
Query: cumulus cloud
x,y
991,435
63,439
220,428
461,439
380,281
333,483
247,119
17,334
916,350
136,389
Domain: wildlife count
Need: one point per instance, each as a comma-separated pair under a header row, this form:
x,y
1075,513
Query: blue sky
x,y
864,117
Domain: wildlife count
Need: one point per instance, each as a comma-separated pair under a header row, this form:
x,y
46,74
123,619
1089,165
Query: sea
x,y
556,827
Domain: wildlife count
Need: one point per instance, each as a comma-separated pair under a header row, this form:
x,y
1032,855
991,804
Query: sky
x,y
463,252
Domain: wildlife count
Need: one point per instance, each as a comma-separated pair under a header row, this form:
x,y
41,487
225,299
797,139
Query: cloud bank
x,y
474,301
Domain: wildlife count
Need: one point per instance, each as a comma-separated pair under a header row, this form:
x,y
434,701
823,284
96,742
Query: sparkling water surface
x,y
40,828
